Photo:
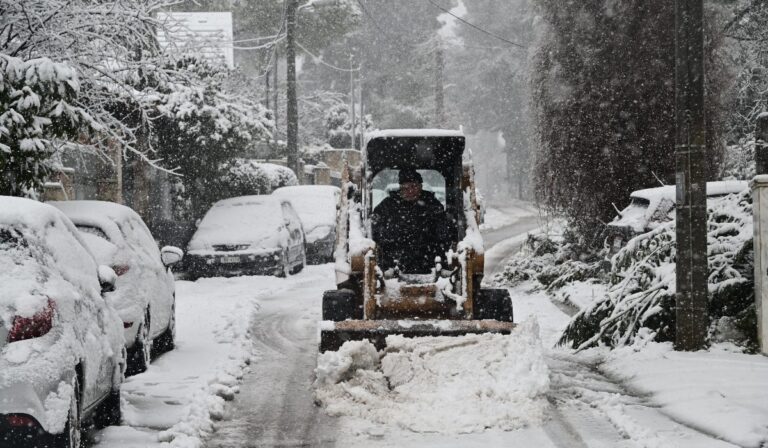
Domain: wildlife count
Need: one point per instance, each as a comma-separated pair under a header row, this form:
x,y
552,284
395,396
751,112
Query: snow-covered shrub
x,y
338,124
553,261
242,177
642,291
739,160
37,107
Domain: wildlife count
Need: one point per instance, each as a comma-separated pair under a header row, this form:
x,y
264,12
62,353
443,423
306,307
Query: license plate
x,y
617,243
230,260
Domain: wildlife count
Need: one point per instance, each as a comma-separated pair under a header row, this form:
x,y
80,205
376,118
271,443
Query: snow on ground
x,y
580,294
177,400
718,391
503,215
444,385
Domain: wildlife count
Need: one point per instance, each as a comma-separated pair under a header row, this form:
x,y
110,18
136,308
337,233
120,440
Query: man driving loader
x,y
411,226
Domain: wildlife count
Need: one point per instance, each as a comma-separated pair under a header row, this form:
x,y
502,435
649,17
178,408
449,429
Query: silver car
x,y
145,291
62,358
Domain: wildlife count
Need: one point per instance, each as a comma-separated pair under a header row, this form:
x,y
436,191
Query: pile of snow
x,y
448,385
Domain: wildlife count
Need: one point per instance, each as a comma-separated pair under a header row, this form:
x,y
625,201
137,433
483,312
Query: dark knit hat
x,y
409,175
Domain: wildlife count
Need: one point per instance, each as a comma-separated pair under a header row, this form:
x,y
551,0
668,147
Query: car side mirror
x,y
171,255
107,278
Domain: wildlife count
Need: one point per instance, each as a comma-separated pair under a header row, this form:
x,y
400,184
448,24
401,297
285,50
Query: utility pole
x,y
275,85
362,116
266,90
352,103
760,216
439,88
292,109
690,142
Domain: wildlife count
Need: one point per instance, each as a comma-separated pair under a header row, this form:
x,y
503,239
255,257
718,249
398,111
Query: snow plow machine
x,y
376,296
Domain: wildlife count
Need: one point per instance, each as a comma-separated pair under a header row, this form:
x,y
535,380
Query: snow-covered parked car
x,y
145,291
247,235
316,206
652,207
62,357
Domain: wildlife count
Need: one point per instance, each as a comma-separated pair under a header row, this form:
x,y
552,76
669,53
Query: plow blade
x,y
334,334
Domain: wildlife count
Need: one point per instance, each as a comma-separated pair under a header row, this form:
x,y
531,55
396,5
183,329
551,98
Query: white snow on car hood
x,y
449,385
253,220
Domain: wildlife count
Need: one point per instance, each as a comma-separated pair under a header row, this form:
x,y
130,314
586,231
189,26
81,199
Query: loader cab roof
x,y
434,149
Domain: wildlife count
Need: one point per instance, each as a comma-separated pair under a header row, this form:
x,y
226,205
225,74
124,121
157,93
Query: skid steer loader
x,y
374,297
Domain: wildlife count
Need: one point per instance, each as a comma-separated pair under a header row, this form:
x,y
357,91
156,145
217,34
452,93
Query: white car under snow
x,y
652,207
62,357
145,291
247,235
316,206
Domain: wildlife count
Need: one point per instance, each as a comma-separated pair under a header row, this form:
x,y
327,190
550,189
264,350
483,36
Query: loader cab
x,y
438,158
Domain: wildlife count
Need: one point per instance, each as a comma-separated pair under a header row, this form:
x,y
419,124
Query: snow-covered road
x,y
242,376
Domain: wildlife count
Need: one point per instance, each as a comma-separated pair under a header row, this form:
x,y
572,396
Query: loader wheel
x,y
341,305
493,304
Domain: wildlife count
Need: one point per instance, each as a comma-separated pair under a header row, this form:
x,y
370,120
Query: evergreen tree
x,y
604,101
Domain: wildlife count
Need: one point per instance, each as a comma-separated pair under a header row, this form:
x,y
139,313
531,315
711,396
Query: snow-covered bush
x,y
38,105
242,177
552,260
339,125
739,160
642,290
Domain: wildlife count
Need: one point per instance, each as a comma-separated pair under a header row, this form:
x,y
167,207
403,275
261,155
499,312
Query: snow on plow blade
x,y
334,334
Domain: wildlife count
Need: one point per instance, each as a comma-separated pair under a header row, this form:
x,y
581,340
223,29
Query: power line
x,y
474,26
381,30
263,46
320,60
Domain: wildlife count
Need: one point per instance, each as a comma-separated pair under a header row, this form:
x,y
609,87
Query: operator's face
x,y
410,191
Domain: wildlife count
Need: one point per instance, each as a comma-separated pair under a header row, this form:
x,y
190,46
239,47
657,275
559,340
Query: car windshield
x,y
92,230
240,221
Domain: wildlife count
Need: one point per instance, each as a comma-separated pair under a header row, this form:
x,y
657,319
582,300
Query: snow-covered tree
x,y
198,125
490,80
38,107
338,124
604,102
109,44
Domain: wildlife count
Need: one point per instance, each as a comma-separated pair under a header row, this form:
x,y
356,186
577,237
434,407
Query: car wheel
x,y
72,435
285,267
341,304
493,304
167,341
303,263
109,412
140,354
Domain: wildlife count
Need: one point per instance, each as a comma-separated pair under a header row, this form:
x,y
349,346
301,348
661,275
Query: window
x,y
93,231
385,183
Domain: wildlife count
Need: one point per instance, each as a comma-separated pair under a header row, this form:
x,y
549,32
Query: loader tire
x,y
341,304
493,304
